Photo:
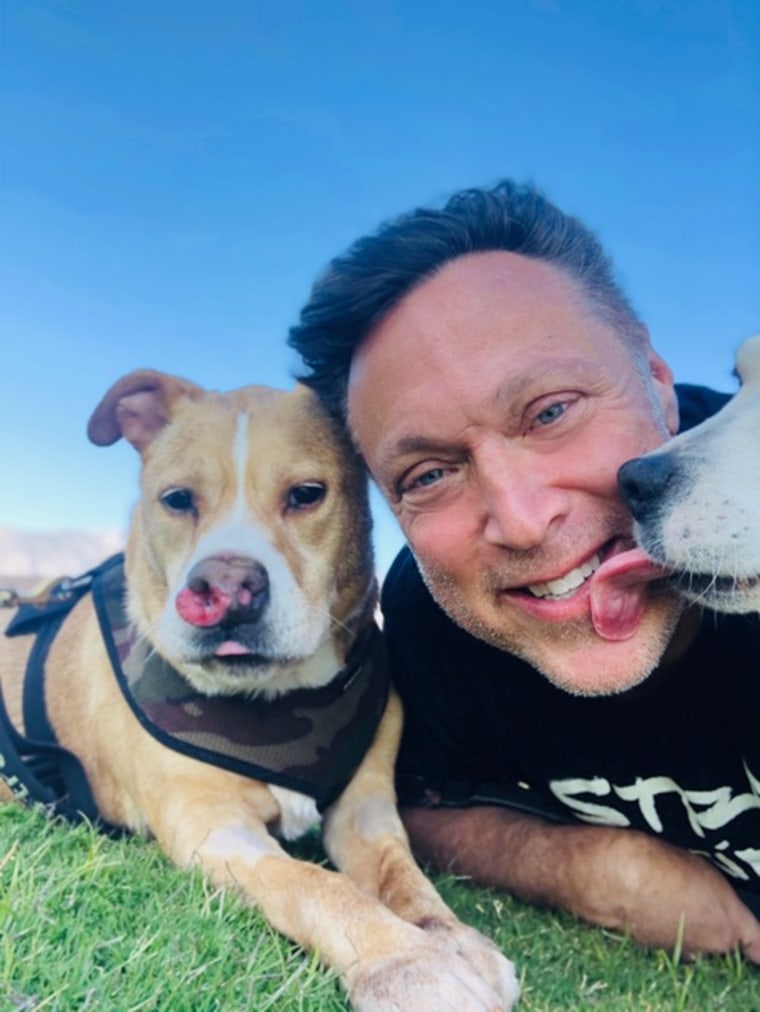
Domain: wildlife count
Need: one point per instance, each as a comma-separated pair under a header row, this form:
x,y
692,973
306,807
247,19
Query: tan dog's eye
x,y
178,500
307,494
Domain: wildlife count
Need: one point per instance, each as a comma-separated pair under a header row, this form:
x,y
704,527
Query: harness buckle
x,y
51,592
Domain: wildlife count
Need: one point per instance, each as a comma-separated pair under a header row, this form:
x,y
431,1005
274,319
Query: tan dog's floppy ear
x,y
137,407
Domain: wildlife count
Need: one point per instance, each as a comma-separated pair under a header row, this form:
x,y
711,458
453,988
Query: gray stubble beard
x,y
645,660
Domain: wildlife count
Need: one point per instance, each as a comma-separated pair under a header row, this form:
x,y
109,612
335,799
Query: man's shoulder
x,y
424,642
406,602
409,609
696,403
735,635
402,581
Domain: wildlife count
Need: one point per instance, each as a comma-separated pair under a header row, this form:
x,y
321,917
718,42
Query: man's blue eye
x,y
429,477
551,414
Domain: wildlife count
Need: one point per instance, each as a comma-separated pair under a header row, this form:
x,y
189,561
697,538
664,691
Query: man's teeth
x,y
556,589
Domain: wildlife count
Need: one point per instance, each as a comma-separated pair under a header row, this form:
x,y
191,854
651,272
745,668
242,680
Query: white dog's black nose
x,y
643,482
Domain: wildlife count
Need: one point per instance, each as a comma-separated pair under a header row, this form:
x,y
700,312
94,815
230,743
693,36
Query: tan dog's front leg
x,y
385,963
365,838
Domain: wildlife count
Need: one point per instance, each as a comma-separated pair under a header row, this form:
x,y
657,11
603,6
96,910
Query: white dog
x,y
696,499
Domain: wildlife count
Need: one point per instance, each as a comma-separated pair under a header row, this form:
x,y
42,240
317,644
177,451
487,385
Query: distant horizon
x,y
40,555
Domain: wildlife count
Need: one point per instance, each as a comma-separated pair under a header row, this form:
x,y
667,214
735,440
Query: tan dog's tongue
x,y
618,593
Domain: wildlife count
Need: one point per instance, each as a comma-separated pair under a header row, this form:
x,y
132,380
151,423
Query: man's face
x,y
494,409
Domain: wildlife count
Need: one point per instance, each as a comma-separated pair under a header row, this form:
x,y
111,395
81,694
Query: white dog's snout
x,y
695,501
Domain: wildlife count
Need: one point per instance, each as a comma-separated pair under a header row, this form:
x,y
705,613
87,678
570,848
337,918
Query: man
x,y
573,733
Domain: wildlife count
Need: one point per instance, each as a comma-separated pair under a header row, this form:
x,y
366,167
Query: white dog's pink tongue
x,y
618,593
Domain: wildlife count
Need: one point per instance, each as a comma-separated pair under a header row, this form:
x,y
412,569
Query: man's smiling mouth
x,y
565,586
611,583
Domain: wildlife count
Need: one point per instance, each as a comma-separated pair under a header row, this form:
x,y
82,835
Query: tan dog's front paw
x,y
437,977
481,954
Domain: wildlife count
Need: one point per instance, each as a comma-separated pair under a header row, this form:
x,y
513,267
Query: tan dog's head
x,y
248,563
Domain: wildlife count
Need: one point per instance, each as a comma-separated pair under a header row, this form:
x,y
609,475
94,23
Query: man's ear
x,y
662,381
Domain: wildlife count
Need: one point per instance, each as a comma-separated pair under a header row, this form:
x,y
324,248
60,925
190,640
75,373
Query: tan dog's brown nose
x,y
224,588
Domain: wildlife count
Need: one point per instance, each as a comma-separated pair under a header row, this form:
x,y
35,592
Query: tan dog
x,y
249,570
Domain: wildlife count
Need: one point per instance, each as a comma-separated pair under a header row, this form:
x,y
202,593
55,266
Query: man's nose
x,y
520,504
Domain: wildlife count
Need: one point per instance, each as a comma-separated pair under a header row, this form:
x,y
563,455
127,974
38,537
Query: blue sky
x,y
175,175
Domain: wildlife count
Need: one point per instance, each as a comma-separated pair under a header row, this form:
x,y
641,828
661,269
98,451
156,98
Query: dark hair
x,y
361,285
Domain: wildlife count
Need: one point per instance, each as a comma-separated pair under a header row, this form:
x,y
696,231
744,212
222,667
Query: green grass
x,y
92,923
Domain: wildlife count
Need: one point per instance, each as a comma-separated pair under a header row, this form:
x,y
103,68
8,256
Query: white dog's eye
x,y
307,494
178,500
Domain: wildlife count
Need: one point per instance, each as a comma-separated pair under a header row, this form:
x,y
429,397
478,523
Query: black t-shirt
x,y
677,756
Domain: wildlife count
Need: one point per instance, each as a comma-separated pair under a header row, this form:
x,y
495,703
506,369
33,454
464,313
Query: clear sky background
x,y
175,175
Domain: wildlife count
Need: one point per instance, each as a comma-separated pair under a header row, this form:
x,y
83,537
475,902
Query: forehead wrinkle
x,y
562,373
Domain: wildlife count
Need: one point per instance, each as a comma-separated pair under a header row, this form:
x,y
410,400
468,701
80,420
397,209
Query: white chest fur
x,y
298,813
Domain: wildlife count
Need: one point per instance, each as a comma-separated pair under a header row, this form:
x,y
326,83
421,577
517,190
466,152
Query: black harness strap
x,y
34,765
26,767
311,740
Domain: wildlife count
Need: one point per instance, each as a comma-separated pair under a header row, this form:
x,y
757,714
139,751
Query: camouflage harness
x,y
309,740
